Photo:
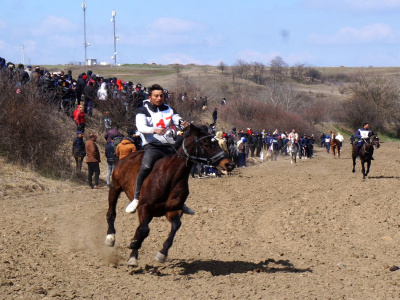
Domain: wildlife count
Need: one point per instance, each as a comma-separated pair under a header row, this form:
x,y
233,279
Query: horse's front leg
x,y
113,195
363,168
142,232
354,163
368,165
174,217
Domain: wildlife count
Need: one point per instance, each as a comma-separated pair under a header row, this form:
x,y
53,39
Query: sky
x,y
319,33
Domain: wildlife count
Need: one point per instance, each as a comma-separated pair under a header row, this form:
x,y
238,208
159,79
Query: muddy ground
x,y
313,230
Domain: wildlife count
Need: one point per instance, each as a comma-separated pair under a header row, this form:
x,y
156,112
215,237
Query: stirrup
x,y
131,208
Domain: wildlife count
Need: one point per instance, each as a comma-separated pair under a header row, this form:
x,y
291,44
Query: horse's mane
x,y
201,130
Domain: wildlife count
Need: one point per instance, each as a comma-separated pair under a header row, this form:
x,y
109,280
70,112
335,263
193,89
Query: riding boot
x,y
131,208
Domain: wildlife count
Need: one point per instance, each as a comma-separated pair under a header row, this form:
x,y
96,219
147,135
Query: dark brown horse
x,y
335,145
365,153
165,189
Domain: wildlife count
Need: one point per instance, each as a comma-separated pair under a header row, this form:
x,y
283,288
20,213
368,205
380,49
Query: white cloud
x,y
255,56
54,25
358,5
173,26
348,35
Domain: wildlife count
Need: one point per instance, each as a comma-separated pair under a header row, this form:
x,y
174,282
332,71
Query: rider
x,y
152,121
362,134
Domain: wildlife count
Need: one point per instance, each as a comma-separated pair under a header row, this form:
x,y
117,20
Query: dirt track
x,y
313,230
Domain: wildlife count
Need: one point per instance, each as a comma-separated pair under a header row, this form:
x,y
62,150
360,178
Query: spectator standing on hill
x,y
110,155
215,115
223,102
93,161
112,133
90,93
241,147
79,118
78,150
80,84
126,147
22,76
102,93
29,71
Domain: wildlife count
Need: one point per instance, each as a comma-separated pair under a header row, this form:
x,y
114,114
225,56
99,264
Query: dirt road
x,y
313,230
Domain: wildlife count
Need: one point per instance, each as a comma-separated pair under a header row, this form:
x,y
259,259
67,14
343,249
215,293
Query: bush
x,y
35,132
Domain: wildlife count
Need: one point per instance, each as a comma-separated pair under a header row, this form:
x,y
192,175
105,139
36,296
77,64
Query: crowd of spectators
x,y
76,97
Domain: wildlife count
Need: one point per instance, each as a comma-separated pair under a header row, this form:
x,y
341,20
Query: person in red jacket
x,y
79,118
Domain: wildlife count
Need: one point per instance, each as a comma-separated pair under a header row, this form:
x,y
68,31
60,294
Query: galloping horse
x,y
335,145
365,153
165,189
293,150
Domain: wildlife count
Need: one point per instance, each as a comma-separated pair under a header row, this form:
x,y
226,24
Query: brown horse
x,y
165,189
335,145
365,153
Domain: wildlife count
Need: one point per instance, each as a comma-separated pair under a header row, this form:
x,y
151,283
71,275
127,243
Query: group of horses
x,y
364,153
166,189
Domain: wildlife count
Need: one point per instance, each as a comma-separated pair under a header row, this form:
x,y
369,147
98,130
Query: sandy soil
x,y
313,230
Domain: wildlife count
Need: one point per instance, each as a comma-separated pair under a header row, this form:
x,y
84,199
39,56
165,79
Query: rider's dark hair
x,y
155,87
365,124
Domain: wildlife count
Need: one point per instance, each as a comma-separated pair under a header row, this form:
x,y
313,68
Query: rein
x,y
196,158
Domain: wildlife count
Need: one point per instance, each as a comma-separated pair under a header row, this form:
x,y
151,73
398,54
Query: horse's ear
x,y
191,129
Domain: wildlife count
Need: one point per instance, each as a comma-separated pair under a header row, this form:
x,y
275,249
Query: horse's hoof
x,y
110,240
353,171
160,257
133,262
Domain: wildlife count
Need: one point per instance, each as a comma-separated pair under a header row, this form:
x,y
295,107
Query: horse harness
x,y
197,159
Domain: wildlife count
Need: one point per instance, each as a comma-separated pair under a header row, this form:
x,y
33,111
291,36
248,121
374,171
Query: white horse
x,y
293,150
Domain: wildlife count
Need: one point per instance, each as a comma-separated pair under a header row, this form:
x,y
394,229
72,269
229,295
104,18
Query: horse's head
x,y
201,146
375,141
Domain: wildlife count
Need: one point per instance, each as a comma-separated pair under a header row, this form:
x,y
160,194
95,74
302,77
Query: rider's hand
x,y
185,124
160,131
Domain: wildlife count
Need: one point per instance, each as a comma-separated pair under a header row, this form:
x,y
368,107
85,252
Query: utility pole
x,y
85,44
116,38
22,54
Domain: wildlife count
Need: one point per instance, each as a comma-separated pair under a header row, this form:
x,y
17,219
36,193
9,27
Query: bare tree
x,y
313,74
177,68
241,69
297,72
284,94
221,66
257,72
278,68
377,97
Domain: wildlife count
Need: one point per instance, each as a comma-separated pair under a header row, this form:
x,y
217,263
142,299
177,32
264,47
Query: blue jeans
x,y
110,168
88,103
242,159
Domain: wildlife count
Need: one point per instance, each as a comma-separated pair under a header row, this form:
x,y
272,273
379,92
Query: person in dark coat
x,y
90,93
78,150
111,160
80,84
93,161
112,133
215,115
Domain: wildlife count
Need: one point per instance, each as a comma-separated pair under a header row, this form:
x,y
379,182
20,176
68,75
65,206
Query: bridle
x,y
200,151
